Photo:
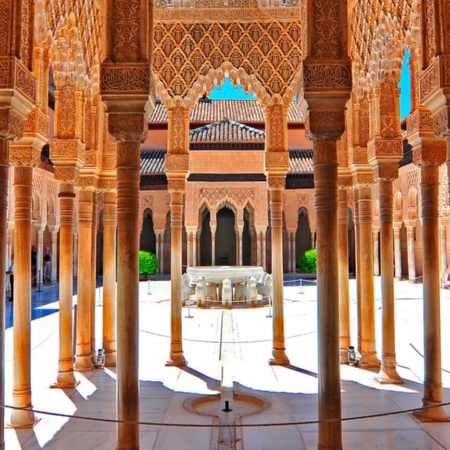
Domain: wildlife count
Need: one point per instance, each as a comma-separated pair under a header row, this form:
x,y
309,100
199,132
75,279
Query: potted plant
x,y
148,263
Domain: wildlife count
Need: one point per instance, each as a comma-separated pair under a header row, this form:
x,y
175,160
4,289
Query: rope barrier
x,y
246,425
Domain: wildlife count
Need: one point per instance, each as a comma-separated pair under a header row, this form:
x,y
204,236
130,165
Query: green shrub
x,y
148,263
308,261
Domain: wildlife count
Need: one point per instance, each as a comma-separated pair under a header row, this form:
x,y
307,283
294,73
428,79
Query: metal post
x,y
148,287
300,286
39,280
270,306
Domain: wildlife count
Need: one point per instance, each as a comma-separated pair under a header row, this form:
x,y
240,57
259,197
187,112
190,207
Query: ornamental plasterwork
x,y
185,50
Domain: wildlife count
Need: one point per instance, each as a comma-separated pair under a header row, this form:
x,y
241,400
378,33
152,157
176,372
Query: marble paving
x,y
89,411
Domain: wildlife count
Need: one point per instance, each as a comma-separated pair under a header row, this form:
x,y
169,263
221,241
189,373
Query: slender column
x,y
194,248
410,233
388,372
128,222
109,277
93,290
83,359
39,254
264,252
213,245
433,394
54,252
4,183
344,292
289,251
293,261
369,357
375,245
23,176
276,186
189,248
325,179
176,189
313,239
75,254
358,267
397,252
258,248
240,229
443,246
65,378
161,250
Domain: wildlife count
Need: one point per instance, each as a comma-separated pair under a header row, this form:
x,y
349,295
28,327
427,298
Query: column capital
x,y
127,126
363,178
325,124
276,182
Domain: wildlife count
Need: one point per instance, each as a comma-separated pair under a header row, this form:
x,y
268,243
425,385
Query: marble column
x,y
326,192
93,290
128,223
23,182
369,359
75,254
433,392
357,268
263,251
83,358
194,248
240,230
258,248
276,187
189,237
39,254
313,239
4,265
66,378
375,245
213,246
344,291
397,252
54,252
109,277
176,189
410,234
388,372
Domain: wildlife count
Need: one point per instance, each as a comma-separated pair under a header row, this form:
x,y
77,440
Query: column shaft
x,y
109,277
75,255
344,293
410,232
65,378
443,252
276,211
264,252
83,359
54,253
376,259
325,179
39,256
397,254
369,358
22,296
358,268
388,372
213,247
93,291
128,223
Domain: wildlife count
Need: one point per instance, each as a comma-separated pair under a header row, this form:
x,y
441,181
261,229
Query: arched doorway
x,y
303,235
205,239
148,237
226,238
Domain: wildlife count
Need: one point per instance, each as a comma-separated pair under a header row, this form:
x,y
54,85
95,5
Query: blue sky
x,y
228,91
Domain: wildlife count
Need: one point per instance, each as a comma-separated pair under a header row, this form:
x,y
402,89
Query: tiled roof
x,y
152,162
301,161
226,130
206,111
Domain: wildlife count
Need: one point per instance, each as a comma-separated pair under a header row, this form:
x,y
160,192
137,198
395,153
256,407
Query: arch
x,y
225,248
51,211
248,241
148,236
303,234
412,203
36,207
205,236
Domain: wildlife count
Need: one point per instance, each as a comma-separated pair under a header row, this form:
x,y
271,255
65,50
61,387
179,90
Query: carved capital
x,y
325,124
125,78
176,185
66,174
11,124
420,121
332,75
127,127
363,179
277,162
88,182
107,184
24,155
385,151
431,152
176,163
64,151
385,171
276,182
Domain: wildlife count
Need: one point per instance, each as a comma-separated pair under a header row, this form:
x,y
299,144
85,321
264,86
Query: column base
x,y
343,355
65,380
111,358
83,363
320,447
436,414
388,376
279,358
177,360
369,361
22,418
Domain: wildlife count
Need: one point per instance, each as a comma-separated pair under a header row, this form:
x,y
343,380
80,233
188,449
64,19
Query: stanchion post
x,y
39,280
148,287
189,309
300,286
270,306
74,332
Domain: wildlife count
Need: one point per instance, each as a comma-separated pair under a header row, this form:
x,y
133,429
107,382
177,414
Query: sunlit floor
x,y
289,392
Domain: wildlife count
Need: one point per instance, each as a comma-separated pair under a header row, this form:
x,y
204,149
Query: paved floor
x,y
244,337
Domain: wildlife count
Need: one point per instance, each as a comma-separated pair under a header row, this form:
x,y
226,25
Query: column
x,y
258,248
75,254
410,236
23,182
83,358
313,239
109,277
4,261
189,237
293,261
277,164
344,292
358,267
240,230
375,245
397,251
66,197
39,254
388,372
263,251
213,227
54,252
194,248
92,303
369,359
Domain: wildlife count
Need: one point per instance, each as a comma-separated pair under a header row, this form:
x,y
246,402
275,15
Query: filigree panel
x,y
214,196
185,51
